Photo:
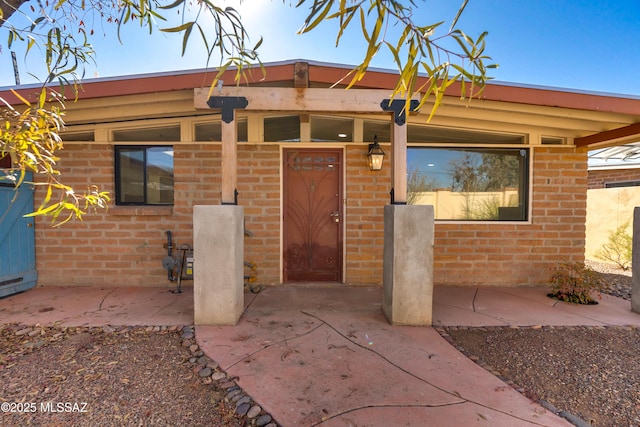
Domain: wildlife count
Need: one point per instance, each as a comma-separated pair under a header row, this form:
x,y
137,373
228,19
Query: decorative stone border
x,y
208,370
210,373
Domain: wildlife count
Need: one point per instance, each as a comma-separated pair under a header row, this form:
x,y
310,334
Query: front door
x,y
312,182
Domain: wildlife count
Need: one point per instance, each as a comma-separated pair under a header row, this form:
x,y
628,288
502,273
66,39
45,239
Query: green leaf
x,y
17,95
43,211
322,12
455,20
204,39
185,38
344,22
180,28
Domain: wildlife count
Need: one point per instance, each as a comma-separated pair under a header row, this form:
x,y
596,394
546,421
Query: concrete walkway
x,y
328,357
92,306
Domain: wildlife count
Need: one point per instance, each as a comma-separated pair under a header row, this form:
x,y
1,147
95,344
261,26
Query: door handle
x,y
335,216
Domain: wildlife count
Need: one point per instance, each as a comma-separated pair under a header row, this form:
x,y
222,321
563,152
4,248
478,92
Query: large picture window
x,y
144,175
472,184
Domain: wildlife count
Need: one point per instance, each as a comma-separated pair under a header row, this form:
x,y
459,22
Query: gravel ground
x,y
618,280
58,376
592,373
115,376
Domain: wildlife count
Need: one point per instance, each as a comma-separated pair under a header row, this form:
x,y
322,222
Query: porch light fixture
x,y
375,155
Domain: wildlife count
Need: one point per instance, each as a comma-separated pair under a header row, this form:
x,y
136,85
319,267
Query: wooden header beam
x,y
300,99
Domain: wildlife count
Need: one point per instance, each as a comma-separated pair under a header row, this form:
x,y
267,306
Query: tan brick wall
x,y
522,254
259,193
124,246
366,194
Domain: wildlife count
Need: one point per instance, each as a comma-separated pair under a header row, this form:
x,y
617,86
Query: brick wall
x,y
366,194
259,193
521,254
598,178
124,246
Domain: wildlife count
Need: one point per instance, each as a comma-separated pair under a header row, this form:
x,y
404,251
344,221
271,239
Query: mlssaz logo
x,y
63,407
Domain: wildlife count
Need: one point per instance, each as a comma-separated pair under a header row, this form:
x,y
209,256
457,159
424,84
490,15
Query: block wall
x,y
125,245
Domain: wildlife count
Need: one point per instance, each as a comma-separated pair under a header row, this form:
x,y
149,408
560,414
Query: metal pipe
x,y
169,253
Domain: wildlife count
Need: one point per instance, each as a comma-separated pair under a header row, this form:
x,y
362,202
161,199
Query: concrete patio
x,y
328,357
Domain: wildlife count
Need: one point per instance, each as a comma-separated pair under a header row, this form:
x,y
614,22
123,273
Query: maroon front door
x,y
312,185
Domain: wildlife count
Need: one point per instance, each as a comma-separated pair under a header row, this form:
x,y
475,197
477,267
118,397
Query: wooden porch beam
x,y
228,106
229,172
399,164
299,99
625,134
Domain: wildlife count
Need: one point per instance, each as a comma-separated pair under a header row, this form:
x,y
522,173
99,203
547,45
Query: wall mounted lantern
x,y
375,155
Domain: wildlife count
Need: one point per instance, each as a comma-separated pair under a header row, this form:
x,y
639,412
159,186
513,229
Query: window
x,y
373,128
212,131
550,140
471,184
434,134
622,184
282,129
152,134
144,175
78,136
331,129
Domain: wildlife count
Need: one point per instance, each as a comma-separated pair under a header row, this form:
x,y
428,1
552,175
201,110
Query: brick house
x,y
507,174
620,176
615,167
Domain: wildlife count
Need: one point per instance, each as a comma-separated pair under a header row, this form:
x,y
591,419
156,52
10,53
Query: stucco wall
x,y
124,246
608,209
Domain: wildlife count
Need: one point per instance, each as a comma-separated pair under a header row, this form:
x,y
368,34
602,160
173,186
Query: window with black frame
x,y
144,175
470,184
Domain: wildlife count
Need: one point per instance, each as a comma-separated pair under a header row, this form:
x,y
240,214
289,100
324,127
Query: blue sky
x,y
584,45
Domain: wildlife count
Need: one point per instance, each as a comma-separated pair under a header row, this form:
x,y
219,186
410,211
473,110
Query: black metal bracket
x,y
227,105
235,199
393,199
398,108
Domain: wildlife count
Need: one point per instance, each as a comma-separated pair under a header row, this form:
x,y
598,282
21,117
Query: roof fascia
x,y
282,73
154,83
338,75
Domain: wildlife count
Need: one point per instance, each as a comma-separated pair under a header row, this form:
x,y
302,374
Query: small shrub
x,y
574,282
618,248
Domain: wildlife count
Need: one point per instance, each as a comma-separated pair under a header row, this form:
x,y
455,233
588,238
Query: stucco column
x,y
408,264
218,276
635,262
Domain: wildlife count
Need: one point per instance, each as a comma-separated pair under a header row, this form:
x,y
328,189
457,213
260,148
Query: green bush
x,y
574,282
618,249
